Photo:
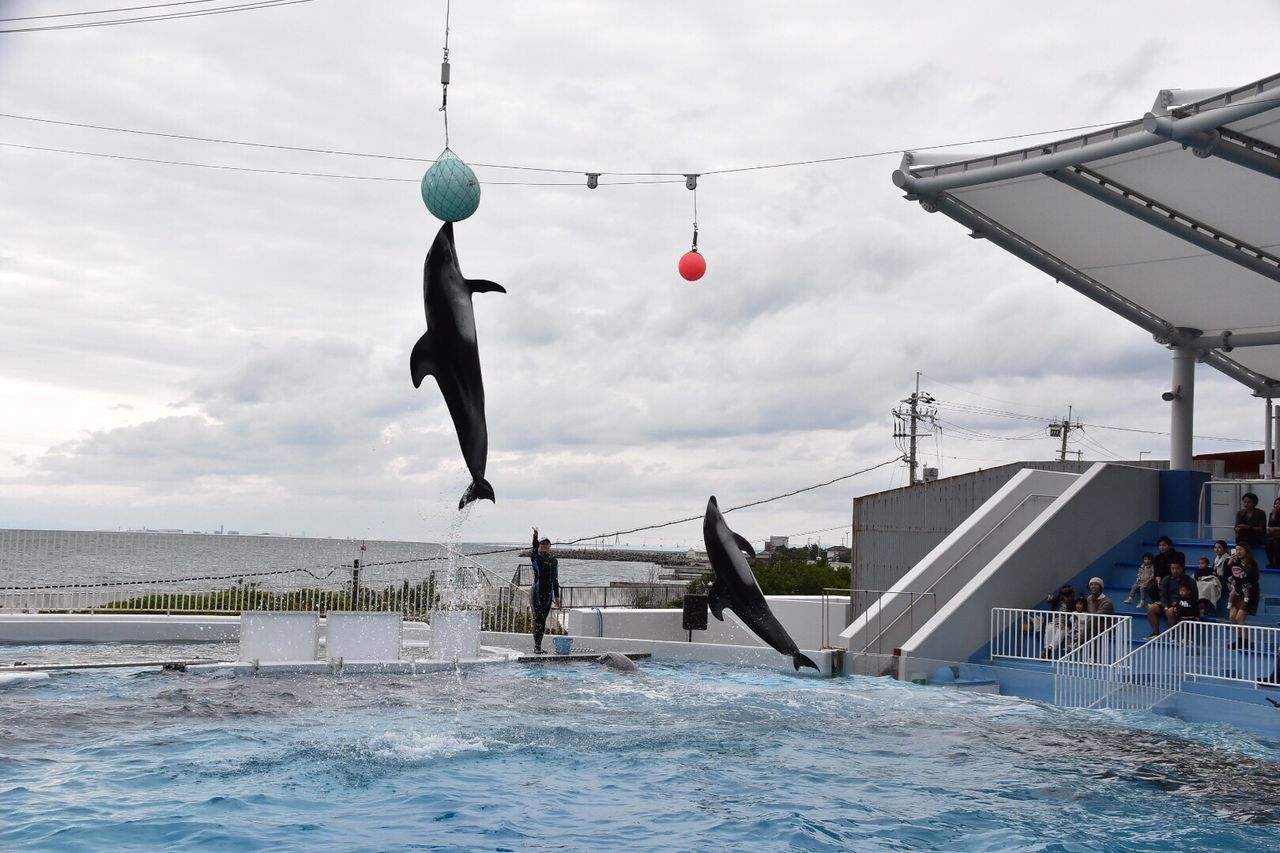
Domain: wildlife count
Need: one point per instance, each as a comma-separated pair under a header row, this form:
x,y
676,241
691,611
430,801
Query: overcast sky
x,y
189,347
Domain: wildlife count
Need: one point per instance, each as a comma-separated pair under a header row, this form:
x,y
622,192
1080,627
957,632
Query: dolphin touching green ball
x,y
448,351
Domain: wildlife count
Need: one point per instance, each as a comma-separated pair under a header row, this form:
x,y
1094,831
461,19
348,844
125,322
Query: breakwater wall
x,y
627,555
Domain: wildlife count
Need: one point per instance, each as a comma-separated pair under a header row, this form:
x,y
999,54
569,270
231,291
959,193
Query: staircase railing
x,y
1082,675
931,591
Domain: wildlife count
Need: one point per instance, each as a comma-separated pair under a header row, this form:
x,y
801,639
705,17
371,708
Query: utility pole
x,y
1062,429
906,425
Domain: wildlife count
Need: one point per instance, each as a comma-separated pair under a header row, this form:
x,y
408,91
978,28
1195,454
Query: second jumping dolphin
x,y
736,588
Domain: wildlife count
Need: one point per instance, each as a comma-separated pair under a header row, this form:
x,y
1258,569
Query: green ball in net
x,y
450,189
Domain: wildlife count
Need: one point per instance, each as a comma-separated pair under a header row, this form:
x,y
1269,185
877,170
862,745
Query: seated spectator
x,y
1222,561
1097,601
1165,555
1246,590
1146,572
1273,536
1167,604
1251,522
1208,587
1062,603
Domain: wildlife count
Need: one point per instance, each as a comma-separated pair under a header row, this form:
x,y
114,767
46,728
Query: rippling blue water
x,y
689,756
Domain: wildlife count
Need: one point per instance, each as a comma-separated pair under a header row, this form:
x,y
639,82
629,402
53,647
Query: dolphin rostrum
x,y
736,588
449,352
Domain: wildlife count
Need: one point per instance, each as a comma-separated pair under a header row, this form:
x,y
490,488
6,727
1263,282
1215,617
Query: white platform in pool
x,y
341,666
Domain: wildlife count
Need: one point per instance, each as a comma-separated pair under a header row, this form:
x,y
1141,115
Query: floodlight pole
x,y
1182,407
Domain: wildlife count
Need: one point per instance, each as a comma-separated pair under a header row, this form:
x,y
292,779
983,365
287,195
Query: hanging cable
x,y
444,74
695,215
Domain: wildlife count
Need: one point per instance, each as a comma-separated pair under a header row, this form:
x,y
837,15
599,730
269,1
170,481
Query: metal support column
x,y
1268,454
1275,435
1182,407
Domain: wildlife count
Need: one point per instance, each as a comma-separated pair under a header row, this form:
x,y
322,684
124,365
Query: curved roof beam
x,y
1169,220
1206,115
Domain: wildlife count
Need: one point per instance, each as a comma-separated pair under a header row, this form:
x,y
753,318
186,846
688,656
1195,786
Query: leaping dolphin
x,y
736,588
449,352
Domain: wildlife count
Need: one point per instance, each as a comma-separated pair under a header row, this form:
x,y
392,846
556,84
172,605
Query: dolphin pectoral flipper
x,y
718,598
478,489
422,361
743,544
483,285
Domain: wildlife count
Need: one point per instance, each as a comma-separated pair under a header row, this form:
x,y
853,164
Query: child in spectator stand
x,y
1063,605
1246,589
1146,572
1188,601
1208,587
1078,627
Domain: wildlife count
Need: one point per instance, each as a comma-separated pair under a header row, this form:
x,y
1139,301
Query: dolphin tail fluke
x,y
478,489
800,660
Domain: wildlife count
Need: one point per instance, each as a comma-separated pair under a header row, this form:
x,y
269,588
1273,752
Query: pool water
x,y
573,756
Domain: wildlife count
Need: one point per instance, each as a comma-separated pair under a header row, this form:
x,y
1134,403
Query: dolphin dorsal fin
x,y
422,361
743,544
483,285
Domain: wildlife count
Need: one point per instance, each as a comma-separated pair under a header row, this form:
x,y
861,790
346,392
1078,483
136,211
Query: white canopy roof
x,y
1172,221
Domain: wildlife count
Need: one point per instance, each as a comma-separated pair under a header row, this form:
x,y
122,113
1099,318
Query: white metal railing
x,y
1027,634
1081,676
880,623
1192,651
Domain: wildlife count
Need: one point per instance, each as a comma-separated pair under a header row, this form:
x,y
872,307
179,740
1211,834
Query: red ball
x,y
692,266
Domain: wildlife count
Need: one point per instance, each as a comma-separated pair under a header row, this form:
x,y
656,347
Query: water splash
x,y
458,584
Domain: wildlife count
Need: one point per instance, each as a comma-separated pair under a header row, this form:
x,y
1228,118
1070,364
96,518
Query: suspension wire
x,y
314,174
614,172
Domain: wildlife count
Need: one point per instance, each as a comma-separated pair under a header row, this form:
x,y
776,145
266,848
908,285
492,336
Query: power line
x,y
734,508
980,410
104,11
173,16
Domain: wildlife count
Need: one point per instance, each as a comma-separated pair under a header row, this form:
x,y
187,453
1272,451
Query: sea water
x,y
39,557
572,756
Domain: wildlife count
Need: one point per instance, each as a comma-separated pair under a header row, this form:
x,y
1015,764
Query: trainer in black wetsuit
x,y
546,587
